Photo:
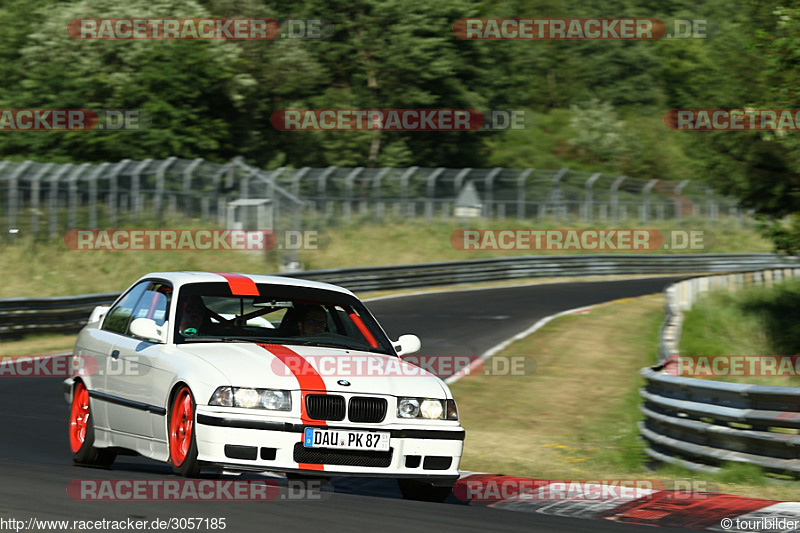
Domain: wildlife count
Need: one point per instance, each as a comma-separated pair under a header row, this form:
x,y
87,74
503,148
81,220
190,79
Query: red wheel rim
x,y
78,417
180,427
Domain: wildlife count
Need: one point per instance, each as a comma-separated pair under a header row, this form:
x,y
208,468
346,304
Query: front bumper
x,y
261,444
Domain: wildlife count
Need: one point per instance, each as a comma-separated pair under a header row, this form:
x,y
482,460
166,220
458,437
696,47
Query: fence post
x,y
13,193
644,215
187,186
522,180
35,186
588,201
376,192
159,200
93,177
489,192
72,182
679,198
52,199
554,197
404,188
431,188
615,198
135,186
348,188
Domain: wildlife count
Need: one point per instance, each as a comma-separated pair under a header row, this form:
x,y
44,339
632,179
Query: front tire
x,y
413,489
81,432
182,440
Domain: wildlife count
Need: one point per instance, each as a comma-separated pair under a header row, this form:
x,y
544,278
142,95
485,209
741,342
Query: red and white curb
x,y
661,508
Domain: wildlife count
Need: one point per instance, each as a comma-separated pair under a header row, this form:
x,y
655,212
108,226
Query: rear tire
x,y
413,489
81,432
182,438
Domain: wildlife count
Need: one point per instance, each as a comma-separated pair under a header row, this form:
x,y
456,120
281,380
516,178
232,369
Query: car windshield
x,y
280,314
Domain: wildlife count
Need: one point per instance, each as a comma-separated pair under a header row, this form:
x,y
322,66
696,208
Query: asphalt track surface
x,y
36,467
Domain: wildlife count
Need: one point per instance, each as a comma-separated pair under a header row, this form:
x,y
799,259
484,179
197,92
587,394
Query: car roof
x,y
185,277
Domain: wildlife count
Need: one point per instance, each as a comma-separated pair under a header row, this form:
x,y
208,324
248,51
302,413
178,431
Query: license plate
x,y
346,439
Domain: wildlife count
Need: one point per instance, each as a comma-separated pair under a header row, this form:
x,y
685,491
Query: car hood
x,y
315,368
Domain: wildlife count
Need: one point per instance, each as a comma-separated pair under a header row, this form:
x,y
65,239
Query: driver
x,y
313,320
194,316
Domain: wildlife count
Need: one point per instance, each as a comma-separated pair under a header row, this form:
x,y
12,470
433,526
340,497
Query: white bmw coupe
x,y
241,372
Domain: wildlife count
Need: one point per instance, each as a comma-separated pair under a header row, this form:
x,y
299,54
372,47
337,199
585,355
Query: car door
x,y
133,374
101,345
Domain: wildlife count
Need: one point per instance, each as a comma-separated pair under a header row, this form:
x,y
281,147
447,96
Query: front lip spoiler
x,y
434,434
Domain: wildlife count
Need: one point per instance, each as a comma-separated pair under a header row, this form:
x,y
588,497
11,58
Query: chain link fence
x,y
48,199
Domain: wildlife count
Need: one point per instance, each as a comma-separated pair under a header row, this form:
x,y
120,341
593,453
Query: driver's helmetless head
x,y
313,320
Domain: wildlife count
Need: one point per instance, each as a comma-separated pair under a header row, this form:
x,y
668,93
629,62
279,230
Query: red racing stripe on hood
x,y
240,285
309,380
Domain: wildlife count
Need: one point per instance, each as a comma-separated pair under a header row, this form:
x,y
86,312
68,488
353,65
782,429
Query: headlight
x,y
428,408
431,409
276,400
408,408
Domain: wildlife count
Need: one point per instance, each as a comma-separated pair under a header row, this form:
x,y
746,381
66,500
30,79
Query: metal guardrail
x,y
68,314
21,316
702,424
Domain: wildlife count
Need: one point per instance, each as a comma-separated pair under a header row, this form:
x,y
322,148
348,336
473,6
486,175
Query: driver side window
x,y
149,299
120,315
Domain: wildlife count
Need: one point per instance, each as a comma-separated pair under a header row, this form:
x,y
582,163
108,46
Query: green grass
x,y
575,418
49,268
753,321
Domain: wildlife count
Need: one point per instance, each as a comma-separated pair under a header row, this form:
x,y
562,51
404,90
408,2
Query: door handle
x,y
115,354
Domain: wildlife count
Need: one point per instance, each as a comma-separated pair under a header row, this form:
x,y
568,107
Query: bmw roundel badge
x,y
343,383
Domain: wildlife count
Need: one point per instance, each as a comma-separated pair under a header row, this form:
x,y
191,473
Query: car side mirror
x,y
148,329
407,344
